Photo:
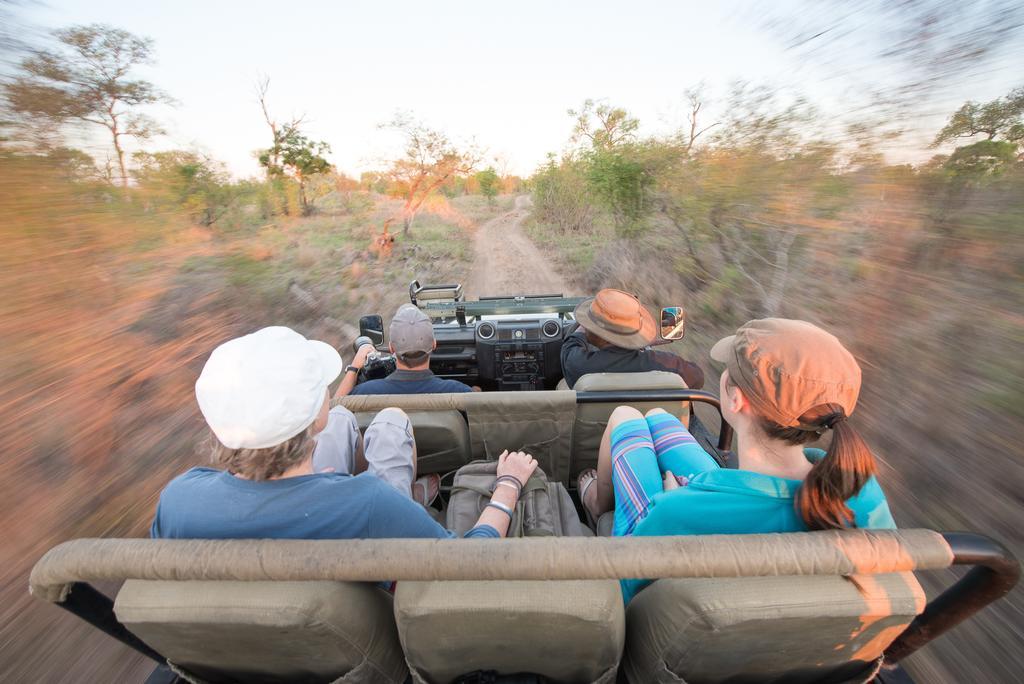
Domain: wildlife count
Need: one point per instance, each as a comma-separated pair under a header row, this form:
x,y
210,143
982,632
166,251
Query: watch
x,y
351,369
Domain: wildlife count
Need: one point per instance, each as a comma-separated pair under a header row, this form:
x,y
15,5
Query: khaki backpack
x,y
544,509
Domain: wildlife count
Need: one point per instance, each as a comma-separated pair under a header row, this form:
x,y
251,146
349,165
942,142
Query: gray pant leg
x,y
336,445
388,445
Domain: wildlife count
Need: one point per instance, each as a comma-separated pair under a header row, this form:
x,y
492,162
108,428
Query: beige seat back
x,y
538,422
567,631
442,438
591,419
267,631
766,629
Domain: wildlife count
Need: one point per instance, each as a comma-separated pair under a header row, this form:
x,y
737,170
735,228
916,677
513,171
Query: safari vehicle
x,y
835,606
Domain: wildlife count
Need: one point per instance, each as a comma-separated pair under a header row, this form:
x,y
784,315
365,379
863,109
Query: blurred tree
x,y
982,159
695,98
561,196
88,80
430,160
1000,118
488,181
291,153
189,180
621,178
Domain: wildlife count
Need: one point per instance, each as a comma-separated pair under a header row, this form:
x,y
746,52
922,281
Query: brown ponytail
x,y
847,466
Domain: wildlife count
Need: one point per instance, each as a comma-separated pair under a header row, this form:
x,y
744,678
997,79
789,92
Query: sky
x,y
501,75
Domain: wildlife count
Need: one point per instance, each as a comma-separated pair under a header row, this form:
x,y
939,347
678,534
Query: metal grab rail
x,y
996,571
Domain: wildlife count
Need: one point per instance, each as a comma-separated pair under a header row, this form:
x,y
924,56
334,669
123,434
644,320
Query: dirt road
x,y
506,262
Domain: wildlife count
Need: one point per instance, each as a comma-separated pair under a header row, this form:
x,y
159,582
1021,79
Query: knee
x,y
656,411
622,414
393,412
392,416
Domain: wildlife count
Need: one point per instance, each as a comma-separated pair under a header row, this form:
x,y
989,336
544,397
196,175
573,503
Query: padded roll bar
x,y
834,552
62,575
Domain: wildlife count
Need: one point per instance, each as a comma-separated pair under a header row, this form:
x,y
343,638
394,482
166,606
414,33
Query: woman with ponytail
x,y
786,384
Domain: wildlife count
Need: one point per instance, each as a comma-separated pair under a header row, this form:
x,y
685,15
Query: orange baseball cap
x,y
786,368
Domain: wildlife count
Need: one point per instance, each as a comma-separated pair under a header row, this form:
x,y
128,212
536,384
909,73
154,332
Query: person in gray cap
x,y
412,341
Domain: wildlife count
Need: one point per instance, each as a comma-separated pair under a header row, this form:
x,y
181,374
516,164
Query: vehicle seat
x,y
767,629
567,631
442,438
267,631
591,419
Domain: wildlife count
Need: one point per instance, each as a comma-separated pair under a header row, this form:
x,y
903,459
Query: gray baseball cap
x,y
411,331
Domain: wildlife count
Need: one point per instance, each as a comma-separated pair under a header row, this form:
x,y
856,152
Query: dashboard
x,y
501,353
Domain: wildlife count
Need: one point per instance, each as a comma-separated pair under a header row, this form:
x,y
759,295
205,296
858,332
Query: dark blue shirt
x,y
204,503
411,382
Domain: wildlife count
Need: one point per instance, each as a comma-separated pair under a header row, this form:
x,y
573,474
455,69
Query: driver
x,y
615,333
265,399
411,341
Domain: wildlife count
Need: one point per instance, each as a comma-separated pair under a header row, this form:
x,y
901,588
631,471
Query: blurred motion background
x,y
877,191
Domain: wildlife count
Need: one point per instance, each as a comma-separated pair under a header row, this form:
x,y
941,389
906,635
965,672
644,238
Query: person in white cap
x,y
411,340
265,397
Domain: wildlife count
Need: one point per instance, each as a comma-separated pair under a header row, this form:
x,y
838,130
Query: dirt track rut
x,y
506,262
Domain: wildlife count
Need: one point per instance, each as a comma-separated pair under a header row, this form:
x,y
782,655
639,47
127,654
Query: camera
x,y
378,364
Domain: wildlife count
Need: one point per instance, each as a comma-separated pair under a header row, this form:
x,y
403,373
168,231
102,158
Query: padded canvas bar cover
x,y
845,552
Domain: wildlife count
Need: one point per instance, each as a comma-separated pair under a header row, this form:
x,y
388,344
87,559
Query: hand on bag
x,y
518,464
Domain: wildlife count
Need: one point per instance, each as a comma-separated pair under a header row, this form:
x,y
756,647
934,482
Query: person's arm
x,y
349,378
691,373
519,465
573,355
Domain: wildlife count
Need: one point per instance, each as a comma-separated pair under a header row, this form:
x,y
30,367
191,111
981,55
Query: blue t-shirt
x,y
411,382
724,501
204,503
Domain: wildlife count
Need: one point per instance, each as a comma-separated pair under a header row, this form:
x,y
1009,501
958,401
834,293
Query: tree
x,y
622,180
488,181
186,180
602,125
1002,118
430,160
983,158
291,153
694,97
88,80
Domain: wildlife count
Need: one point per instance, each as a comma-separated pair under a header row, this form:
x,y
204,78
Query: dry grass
x,y
109,315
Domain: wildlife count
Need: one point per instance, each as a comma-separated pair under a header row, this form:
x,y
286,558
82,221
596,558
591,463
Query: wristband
x,y
501,507
510,478
351,369
506,483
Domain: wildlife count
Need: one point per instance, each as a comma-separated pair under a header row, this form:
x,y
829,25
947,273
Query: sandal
x,y
585,481
425,489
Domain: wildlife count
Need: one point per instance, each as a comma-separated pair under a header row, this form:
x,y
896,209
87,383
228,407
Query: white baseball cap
x,y
262,389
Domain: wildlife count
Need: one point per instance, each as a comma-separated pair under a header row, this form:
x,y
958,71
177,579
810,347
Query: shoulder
x,y
192,477
453,385
379,386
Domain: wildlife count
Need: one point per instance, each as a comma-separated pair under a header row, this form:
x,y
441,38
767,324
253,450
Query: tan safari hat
x,y
786,367
618,317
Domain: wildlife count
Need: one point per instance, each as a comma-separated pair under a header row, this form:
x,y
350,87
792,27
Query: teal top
x,y
726,501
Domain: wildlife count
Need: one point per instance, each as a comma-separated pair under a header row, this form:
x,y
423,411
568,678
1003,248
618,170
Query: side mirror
x,y
673,323
372,326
